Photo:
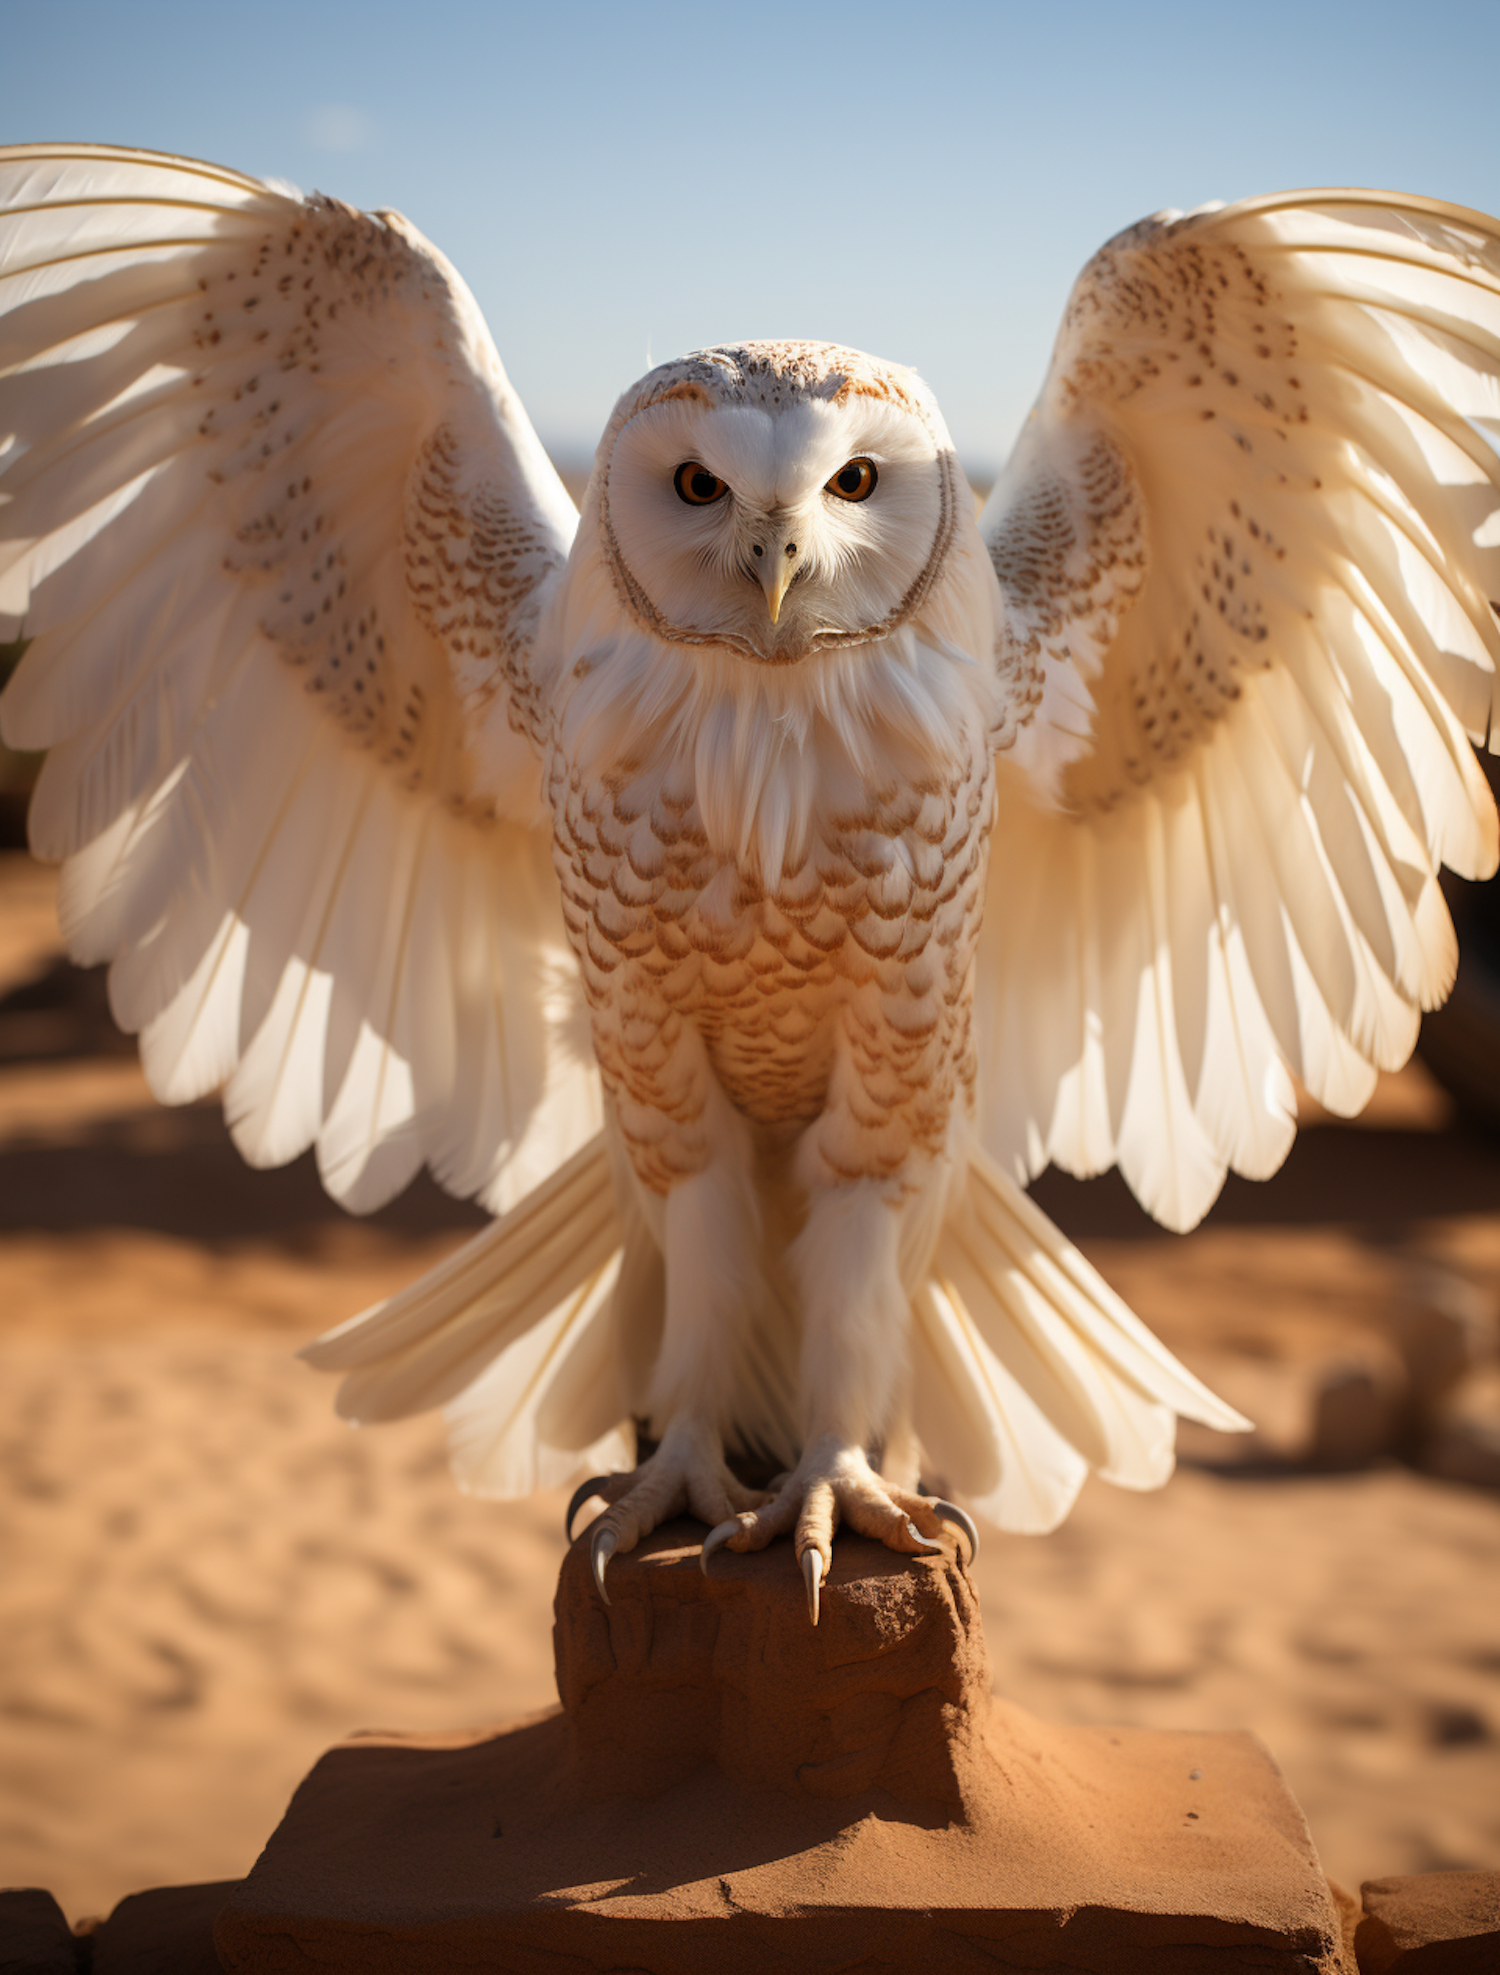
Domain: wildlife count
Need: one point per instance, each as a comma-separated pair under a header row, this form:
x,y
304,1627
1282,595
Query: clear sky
x,y
622,183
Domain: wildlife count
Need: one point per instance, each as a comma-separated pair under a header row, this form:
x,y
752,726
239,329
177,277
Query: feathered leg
x,y
848,1267
710,1236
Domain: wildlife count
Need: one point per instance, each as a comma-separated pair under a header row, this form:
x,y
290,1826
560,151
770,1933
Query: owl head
x,y
777,499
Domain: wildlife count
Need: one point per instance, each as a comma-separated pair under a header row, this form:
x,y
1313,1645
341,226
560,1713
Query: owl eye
x,y
854,482
696,485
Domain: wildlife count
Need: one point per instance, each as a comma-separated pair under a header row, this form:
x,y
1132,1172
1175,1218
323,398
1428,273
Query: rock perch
x,y
725,1787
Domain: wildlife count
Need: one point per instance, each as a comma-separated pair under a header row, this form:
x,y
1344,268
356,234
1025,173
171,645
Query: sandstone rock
x,y
1350,1914
1336,1348
1331,1388
35,1938
1433,1923
1360,1400
167,1931
1327,1397
1446,1326
1463,1436
726,1788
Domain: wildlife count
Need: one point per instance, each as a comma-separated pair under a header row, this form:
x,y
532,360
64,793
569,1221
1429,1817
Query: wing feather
x,y
282,541
1255,518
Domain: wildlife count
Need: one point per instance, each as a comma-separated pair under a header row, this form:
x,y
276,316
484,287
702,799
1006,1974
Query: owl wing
x,y
281,537
1248,544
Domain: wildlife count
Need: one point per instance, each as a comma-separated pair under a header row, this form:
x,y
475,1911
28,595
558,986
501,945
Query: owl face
x,y
777,499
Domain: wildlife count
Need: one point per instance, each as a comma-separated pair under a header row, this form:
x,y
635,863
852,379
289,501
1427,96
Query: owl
x,y
744,886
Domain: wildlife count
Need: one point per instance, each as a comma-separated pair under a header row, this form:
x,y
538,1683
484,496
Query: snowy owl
x,y
744,886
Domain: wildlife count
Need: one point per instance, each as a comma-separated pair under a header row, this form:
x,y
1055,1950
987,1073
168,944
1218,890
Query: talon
x,y
923,1542
604,1546
812,1572
951,1512
593,1486
716,1538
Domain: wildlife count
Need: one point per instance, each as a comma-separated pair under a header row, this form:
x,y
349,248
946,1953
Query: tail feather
x,y
537,1337
1087,1302
501,1440
1025,1356
997,1444
525,1285
504,1312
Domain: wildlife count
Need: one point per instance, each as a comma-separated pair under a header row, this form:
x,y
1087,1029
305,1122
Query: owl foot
x,y
685,1476
833,1483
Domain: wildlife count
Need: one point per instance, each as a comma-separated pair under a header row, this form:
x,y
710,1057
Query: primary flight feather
x,y
744,886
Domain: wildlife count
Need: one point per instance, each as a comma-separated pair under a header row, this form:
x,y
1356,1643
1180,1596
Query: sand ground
x,y
206,1577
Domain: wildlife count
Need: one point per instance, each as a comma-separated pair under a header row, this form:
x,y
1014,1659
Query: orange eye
x,y
854,482
696,485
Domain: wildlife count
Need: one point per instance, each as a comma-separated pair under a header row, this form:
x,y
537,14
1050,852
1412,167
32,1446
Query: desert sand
x,y
207,1578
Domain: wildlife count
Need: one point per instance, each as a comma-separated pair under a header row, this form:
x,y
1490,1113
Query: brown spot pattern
x,y
1071,559
474,570
841,994
314,531
1178,362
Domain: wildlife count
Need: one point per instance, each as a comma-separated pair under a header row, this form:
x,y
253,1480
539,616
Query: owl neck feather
x,y
776,759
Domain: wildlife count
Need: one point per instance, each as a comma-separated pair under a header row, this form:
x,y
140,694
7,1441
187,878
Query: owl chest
x,y
867,943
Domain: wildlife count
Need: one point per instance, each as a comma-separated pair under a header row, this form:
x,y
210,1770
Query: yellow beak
x,y
777,556
776,582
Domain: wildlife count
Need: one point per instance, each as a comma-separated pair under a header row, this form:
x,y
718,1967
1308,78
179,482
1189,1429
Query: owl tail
x,y
518,1334
1028,1370
537,1337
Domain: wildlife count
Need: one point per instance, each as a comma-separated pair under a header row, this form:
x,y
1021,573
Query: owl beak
x,y
777,568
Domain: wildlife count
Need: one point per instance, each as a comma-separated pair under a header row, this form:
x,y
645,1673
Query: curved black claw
x,y
593,1486
603,1548
960,1518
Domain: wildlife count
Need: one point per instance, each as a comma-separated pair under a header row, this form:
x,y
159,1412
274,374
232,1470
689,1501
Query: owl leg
x,y
855,1311
710,1235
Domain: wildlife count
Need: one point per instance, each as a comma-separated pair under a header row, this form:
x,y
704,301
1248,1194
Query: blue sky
x,y
619,184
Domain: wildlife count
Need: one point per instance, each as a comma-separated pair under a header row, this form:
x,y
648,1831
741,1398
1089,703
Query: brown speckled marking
x,y
336,604
842,995
264,323
474,567
1072,558
1160,314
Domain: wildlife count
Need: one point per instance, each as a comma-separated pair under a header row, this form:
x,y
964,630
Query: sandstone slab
x,y
35,1938
726,1788
1432,1923
166,1931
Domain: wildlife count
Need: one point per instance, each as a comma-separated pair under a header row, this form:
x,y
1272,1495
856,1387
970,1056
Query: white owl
x,y
743,886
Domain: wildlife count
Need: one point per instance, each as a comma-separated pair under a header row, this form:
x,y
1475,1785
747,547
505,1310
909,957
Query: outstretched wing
x,y
1248,543
282,537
